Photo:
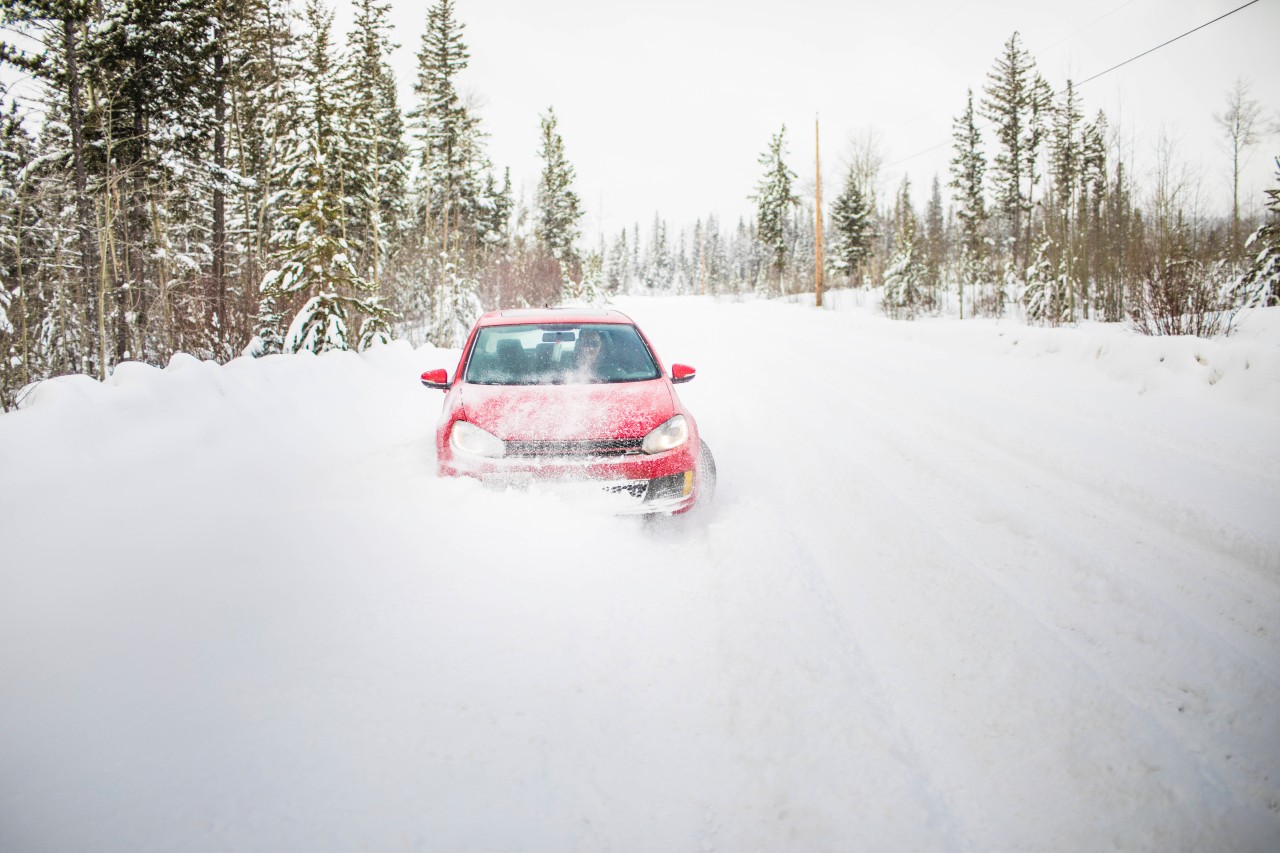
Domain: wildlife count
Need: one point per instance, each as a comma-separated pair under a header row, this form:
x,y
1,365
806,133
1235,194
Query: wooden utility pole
x,y
818,264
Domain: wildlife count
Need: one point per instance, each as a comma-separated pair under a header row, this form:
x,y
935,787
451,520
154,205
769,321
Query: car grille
x,y
576,449
636,490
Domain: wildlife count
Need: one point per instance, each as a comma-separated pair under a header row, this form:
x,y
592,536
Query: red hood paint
x,y
568,412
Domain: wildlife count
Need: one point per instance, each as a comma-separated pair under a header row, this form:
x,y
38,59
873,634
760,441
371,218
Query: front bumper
x,y
664,483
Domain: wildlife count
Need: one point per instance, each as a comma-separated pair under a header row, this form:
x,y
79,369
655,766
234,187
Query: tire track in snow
x,y
1254,603
973,470
851,704
918,450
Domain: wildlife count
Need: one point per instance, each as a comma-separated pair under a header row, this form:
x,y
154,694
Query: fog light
x,y
671,487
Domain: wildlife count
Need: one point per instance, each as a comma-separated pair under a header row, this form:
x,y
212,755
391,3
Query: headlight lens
x,y
469,438
669,436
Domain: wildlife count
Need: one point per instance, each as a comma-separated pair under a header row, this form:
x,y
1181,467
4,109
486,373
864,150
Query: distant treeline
x,y
1045,221
222,178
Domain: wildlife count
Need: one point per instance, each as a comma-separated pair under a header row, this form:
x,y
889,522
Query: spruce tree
x,y
373,152
1261,284
315,264
494,227
264,67
714,262
658,263
617,264
342,310
904,279
57,27
21,304
1017,102
935,241
775,200
450,158
1066,168
1093,192
852,229
968,168
1044,292
558,208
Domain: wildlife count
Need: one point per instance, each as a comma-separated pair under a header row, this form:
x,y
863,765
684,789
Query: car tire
x,y
707,473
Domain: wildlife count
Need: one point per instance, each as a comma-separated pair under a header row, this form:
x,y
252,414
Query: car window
x,y
558,354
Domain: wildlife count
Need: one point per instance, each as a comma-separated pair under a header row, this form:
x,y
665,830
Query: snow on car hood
x,y
568,412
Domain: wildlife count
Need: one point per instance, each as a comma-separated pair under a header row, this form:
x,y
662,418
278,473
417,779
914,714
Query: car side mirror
x,y
682,373
438,379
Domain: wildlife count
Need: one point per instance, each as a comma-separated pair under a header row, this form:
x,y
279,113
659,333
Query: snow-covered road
x,y
965,586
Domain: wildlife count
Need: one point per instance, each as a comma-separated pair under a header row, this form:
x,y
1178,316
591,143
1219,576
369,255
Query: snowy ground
x,y
966,586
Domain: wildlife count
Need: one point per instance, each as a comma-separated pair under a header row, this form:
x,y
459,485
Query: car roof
x,y
568,314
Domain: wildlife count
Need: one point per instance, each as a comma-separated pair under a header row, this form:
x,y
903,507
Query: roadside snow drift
x,y
966,585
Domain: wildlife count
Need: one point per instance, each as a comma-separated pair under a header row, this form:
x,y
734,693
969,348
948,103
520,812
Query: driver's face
x,y
589,346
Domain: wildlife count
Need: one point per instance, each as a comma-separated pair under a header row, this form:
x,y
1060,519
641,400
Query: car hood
x,y
568,412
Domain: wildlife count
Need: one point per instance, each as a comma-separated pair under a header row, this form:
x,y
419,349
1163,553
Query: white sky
x,y
666,106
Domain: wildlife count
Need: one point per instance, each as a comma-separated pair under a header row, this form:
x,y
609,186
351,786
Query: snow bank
x,y
965,586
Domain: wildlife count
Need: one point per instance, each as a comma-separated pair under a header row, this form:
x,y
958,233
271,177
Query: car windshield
x,y
559,353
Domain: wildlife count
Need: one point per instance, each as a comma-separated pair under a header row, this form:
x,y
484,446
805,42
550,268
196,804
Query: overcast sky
x,y
666,105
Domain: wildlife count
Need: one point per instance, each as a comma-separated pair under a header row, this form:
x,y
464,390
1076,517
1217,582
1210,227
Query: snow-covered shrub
x,y
1180,297
1046,297
904,292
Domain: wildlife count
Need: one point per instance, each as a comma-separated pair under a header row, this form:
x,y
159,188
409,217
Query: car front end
x,y
617,466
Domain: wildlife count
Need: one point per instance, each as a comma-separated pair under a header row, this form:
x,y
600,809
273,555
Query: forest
x,y
230,179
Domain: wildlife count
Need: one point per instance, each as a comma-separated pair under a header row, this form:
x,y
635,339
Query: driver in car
x,y
590,360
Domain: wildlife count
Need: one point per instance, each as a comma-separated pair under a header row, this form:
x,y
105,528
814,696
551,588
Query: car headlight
x,y
469,438
669,436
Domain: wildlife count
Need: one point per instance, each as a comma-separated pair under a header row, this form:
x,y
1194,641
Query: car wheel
x,y
707,471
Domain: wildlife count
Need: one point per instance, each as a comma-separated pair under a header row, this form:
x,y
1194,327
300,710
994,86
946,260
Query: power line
x,y
1169,42
1095,76
1065,38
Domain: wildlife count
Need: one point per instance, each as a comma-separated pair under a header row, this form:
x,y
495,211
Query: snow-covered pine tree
x,y
658,262
852,229
618,264
802,240
373,154
1066,168
714,261
968,167
1118,236
156,80
450,158
21,305
1017,102
935,243
904,292
1093,192
694,269
589,289
1046,294
557,207
775,200
263,90
1261,284
494,227
635,268
340,308
455,308
57,28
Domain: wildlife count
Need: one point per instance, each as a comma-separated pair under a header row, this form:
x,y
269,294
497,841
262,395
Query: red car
x,y
577,400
